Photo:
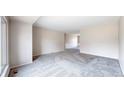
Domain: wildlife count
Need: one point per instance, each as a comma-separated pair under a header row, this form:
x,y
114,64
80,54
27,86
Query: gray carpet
x,y
70,63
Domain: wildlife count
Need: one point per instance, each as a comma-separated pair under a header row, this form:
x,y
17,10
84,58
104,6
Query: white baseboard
x,y
20,65
99,55
48,53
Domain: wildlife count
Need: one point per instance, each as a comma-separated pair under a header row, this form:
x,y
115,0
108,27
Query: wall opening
x,y
72,40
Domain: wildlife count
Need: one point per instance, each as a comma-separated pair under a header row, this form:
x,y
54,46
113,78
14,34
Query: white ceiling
x,y
73,23
26,19
66,23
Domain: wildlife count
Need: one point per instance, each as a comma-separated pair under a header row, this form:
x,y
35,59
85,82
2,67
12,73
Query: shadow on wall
x,y
46,41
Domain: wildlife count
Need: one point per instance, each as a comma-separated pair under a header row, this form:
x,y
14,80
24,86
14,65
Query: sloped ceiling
x,y
73,23
26,19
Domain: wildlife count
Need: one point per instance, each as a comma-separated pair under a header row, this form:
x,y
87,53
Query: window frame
x,y
2,70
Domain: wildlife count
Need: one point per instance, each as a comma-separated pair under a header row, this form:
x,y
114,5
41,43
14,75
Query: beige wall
x,y
101,40
20,43
121,44
71,40
45,41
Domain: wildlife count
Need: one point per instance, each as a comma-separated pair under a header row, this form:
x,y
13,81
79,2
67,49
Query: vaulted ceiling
x,y
73,23
66,23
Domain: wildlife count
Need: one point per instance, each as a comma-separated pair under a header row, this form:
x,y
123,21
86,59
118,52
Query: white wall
x,y
121,44
20,43
101,40
45,41
71,40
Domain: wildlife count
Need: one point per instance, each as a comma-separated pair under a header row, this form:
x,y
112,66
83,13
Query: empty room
x,y
62,46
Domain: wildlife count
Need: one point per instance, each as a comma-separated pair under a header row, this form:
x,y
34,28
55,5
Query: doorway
x,y
72,40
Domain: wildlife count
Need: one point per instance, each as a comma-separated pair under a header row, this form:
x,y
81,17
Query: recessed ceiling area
x,y
73,23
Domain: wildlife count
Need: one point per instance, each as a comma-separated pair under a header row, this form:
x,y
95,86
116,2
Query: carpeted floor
x,y
69,63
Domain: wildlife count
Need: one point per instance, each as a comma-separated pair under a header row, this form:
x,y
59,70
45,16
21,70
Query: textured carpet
x,y
70,63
